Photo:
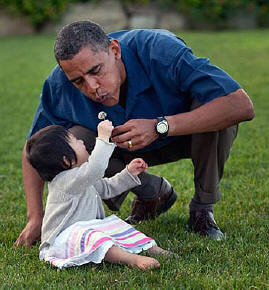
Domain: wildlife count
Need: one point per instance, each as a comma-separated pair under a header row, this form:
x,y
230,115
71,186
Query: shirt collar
x,y
137,80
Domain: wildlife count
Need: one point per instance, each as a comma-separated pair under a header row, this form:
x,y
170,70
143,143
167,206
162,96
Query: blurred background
x,y
20,17
234,34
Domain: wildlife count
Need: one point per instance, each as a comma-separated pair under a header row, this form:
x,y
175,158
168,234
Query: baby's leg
x,y
117,255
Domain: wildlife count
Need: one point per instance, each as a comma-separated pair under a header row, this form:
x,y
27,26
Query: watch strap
x,y
159,120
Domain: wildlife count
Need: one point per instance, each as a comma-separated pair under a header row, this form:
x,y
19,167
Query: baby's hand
x,y
104,130
137,166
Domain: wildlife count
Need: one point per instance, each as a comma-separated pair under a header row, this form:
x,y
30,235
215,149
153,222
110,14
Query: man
x,y
165,103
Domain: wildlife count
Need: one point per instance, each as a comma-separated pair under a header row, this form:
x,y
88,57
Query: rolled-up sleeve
x,y
202,80
44,115
40,121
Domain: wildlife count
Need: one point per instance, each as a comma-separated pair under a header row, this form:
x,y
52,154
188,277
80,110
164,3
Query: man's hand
x,y
104,129
29,235
141,132
137,166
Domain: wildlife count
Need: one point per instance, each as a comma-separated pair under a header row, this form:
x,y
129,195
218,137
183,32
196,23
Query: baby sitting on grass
x,y
75,230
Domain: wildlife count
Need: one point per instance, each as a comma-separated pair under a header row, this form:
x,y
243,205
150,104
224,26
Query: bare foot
x,y
117,255
144,263
155,250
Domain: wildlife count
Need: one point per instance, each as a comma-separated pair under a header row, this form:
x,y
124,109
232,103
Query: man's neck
x,y
122,100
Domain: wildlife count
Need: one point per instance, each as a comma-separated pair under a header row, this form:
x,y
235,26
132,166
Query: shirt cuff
x,y
109,143
136,179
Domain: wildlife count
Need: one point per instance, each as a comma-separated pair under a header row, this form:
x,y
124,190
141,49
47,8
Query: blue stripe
x,y
124,233
82,241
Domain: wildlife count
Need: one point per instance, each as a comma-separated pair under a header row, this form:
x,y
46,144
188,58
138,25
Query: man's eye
x,y
96,70
78,82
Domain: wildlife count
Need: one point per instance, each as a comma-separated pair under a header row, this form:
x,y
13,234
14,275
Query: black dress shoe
x,y
202,221
144,209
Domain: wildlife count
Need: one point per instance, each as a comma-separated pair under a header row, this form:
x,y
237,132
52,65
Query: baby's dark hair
x,y
46,149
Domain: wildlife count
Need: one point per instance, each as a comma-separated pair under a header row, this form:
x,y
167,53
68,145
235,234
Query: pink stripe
x,y
99,242
136,243
90,234
73,242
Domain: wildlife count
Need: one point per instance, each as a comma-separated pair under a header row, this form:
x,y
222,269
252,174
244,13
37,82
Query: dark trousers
x,y
208,151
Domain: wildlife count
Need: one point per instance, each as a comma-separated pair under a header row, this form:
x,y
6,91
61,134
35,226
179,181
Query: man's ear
x,y
115,47
67,162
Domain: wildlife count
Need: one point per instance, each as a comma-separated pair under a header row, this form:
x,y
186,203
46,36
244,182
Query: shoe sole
x,y
172,199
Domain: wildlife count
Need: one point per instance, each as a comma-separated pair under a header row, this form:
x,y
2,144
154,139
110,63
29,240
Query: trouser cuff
x,y
194,205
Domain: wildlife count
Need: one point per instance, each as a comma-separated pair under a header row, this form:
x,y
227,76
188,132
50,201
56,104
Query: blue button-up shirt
x,y
163,77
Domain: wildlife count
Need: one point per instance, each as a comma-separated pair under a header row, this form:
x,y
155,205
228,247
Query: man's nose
x,y
91,84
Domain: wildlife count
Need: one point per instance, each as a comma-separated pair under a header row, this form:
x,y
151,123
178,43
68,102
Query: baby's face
x,y
80,150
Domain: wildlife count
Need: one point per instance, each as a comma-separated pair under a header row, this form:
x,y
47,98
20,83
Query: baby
x,y
75,230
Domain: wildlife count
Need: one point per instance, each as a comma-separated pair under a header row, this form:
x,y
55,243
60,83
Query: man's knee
x,y
226,139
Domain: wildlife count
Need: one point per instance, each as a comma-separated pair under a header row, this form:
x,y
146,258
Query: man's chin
x,y
110,102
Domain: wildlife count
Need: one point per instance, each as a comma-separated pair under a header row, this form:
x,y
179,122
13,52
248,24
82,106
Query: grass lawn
x,y
240,262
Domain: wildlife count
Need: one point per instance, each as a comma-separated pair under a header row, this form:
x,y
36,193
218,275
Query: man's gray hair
x,y
77,35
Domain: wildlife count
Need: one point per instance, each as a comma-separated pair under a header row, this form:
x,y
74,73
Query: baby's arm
x,y
122,181
92,170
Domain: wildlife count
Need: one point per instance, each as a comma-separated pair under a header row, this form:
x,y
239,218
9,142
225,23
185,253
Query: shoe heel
x,y
172,199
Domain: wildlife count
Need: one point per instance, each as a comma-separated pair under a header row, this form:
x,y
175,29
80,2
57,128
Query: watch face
x,y
162,128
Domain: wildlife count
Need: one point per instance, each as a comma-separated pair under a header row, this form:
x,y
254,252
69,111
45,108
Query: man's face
x,y
98,75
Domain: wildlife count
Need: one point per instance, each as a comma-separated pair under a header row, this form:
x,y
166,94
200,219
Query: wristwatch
x,y
161,127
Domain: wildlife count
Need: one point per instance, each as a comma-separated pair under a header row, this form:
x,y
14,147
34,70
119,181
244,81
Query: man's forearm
x,y
216,115
33,186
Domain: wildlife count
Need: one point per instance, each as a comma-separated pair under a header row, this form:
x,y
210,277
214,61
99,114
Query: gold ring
x,y
130,145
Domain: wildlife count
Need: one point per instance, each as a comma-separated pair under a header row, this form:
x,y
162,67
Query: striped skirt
x,y
89,241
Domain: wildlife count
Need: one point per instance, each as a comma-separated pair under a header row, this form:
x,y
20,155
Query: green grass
x,y
240,262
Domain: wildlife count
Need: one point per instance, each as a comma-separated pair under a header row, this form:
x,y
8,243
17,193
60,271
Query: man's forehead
x,y
82,63
93,50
